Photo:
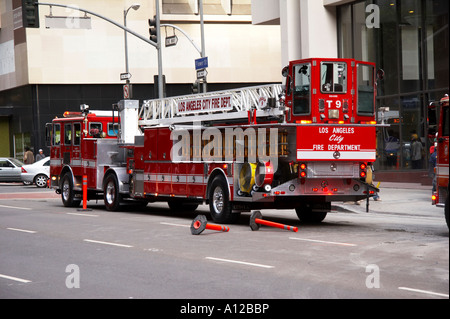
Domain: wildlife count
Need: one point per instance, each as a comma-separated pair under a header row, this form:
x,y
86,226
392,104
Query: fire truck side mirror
x,y
380,74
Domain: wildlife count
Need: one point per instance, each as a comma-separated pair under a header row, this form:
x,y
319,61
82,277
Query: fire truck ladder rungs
x,y
166,111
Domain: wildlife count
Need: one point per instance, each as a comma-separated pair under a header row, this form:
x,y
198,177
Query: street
x,y
399,250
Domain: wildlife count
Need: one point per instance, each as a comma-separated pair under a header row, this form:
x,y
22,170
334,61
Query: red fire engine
x,y
296,146
440,132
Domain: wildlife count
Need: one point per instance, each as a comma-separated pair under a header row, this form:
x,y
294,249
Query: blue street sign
x,y
201,63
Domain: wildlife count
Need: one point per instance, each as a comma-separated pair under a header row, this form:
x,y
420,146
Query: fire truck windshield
x,y
333,77
302,88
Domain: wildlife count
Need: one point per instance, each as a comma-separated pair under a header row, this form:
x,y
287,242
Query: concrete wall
x,y
237,50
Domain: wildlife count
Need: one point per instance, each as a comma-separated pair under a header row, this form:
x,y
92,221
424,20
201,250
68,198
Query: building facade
x,y
75,58
407,39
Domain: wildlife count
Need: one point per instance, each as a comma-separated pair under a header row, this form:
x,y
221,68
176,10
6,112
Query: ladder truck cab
x,y
438,129
300,145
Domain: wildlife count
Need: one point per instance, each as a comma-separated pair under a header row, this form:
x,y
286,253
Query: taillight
x,y
434,199
302,172
362,170
23,170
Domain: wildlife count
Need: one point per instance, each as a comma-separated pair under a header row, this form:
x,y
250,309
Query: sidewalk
x,y
397,198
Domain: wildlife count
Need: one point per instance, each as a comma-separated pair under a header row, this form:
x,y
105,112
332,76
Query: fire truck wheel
x,y
219,202
312,213
67,192
111,194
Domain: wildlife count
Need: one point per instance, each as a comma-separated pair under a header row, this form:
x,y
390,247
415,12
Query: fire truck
x,y
439,129
300,145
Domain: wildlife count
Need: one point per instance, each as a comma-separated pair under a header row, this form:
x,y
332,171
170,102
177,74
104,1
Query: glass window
x,y
388,138
333,77
302,89
95,129
56,134
113,129
77,132
365,89
345,31
67,134
412,132
445,122
410,44
437,44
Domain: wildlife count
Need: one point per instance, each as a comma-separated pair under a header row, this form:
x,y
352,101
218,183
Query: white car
x,y
36,173
10,169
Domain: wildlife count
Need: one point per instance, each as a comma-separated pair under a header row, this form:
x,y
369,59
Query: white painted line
x,y
107,243
15,278
424,291
323,241
15,207
178,225
87,215
239,262
23,230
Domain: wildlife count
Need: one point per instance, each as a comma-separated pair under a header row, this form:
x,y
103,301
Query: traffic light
x,y
152,30
30,14
195,87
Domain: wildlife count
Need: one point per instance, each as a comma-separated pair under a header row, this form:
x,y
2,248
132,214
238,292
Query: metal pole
x,y
126,46
102,17
126,42
158,47
185,34
202,32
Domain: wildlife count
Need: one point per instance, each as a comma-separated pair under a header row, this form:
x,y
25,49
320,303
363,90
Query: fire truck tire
x,y
219,202
312,213
111,195
67,192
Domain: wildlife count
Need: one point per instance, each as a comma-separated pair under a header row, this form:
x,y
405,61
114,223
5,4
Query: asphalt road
x,y
400,250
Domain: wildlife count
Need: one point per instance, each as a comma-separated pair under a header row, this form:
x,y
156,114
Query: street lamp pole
x,y
159,47
135,6
202,32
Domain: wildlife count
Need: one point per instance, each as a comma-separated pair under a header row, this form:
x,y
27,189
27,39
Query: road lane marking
x,y
239,262
424,291
79,214
22,230
171,224
324,242
106,243
15,279
15,207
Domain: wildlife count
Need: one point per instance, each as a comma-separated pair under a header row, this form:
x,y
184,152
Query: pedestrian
x,y
40,155
28,157
416,152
